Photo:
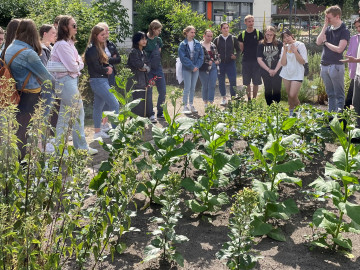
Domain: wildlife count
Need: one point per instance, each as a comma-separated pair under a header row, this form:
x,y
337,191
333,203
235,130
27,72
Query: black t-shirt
x,y
251,43
270,53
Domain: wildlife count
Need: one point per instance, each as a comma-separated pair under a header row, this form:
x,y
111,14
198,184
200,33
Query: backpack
x,y
8,93
257,35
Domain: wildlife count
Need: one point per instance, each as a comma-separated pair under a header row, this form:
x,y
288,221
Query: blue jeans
x,y
70,98
208,82
190,79
102,96
161,88
333,77
228,69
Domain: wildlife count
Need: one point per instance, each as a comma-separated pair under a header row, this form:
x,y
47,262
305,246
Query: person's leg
x,y
268,88
149,102
212,83
329,87
246,72
293,94
256,78
70,99
96,87
356,98
204,78
187,85
349,96
194,79
161,88
337,74
276,88
221,78
231,73
139,94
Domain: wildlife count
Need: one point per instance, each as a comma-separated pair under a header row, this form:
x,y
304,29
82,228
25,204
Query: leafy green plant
x,y
340,184
163,245
214,163
170,145
276,163
238,251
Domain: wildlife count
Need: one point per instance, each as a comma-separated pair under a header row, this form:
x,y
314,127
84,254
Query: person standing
x,y
2,39
352,51
192,57
208,72
10,35
64,51
226,45
249,40
28,72
293,58
153,51
99,71
268,57
334,37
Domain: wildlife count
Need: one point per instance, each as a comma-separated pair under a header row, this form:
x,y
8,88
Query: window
x,y
198,6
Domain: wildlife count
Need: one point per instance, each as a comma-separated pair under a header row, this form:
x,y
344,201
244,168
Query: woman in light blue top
x,y
192,57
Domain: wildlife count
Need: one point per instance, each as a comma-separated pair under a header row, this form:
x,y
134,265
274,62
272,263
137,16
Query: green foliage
x,y
238,251
13,9
164,243
345,162
86,16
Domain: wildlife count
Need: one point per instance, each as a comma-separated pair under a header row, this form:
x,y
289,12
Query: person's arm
x,y
37,67
350,59
135,60
65,54
322,37
185,60
337,49
92,59
200,60
115,56
237,46
283,56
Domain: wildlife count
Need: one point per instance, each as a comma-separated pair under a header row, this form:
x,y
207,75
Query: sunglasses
x,y
74,25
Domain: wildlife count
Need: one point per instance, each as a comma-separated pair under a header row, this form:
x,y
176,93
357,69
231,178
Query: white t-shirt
x,y
191,46
294,70
107,52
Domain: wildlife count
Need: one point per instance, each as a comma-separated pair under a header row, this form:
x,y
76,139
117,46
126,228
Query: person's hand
x,y
217,62
233,56
114,56
109,70
349,59
272,72
293,48
195,69
326,22
210,63
286,47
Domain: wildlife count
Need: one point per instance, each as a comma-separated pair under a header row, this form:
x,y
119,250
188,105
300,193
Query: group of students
x,y
264,59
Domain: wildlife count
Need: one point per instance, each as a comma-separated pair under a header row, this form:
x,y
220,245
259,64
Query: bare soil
x,y
207,238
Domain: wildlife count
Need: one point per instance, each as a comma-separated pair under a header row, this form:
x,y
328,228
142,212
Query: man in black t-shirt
x,y
249,40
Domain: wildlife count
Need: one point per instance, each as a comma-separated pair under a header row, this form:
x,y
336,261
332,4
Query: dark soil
x,y
207,238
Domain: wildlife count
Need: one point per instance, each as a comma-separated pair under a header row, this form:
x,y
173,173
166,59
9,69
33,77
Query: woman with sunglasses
x,y
99,71
64,51
293,58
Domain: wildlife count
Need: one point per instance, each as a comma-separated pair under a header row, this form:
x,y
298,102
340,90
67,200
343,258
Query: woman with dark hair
x,y
268,57
10,34
28,72
153,52
99,71
138,64
64,51
293,58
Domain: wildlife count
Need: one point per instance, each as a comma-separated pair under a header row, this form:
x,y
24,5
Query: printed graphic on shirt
x,y
271,54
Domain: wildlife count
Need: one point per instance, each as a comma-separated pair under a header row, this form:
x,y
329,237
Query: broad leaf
x,y
353,211
220,199
195,206
178,258
345,243
277,234
288,123
97,181
260,227
290,166
191,185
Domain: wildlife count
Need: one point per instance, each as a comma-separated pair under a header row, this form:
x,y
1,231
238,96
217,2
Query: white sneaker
x,y
92,151
192,108
105,127
186,110
224,102
101,134
152,119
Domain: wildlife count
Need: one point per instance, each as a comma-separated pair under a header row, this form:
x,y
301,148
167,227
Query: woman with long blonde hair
x,y
99,71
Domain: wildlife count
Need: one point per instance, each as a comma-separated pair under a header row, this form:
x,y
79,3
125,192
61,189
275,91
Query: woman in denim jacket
x,y
192,57
64,51
28,72
99,71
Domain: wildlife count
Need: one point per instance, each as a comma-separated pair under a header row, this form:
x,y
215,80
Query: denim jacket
x,y
26,61
184,55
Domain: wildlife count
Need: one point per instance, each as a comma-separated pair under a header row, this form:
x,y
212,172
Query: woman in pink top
x,y
64,51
